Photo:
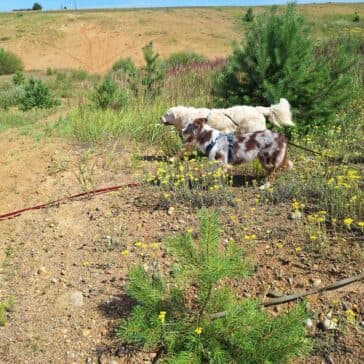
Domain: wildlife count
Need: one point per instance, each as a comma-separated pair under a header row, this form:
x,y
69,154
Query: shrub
x,y
37,95
356,17
125,65
249,16
174,315
18,78
107,94
184,58
9,62
36,6
125,70
278,59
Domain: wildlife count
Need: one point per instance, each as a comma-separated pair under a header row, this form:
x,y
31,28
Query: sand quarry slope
x,y
94,40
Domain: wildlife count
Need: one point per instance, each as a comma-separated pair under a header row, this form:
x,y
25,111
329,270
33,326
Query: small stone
x,y
316,283
41,270
54,280
63,272
88,360
76,298
171,211
361,324
86,332
295,215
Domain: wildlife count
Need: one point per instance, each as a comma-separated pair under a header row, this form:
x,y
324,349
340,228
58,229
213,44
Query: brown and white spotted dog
x,y
268,146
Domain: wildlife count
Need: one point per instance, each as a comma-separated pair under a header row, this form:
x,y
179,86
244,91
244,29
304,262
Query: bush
x,y
184,58
9,62
356,17
279,59
125,65
18,78
107,94
174,315
37,95
36,6
249,16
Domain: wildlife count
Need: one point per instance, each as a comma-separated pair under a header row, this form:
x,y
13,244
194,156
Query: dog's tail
x,y
279,114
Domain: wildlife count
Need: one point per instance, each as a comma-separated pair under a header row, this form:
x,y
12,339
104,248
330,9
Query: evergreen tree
x,y
174,314
249,16
153,70
279,59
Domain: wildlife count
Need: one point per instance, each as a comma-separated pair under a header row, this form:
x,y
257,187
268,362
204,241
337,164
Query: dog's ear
x,y
200,122
189,129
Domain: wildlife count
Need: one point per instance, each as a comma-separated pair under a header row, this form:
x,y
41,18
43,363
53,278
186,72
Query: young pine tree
x,y
153,70
174,314
278,59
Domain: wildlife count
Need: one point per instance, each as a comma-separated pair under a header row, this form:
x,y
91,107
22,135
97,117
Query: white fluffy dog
x,y
245,119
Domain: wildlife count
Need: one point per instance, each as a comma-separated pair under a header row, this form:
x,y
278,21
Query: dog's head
x,y
193,127
172,117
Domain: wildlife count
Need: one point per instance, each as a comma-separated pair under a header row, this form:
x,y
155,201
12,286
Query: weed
x,y
86,175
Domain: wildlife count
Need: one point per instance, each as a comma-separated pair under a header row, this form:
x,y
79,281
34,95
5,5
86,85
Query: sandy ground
x,y
66,272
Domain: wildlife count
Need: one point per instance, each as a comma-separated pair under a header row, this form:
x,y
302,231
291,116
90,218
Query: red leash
x,y
11,215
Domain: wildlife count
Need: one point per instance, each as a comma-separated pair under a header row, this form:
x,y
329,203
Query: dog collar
x,y
230,138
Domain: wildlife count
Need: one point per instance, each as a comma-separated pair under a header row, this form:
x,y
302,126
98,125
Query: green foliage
x,y
125,65
279,59
153,73
185,331
18,78
184,58
11,96
108,95
9,62
7,305
356,17
37,95
36,6
249,16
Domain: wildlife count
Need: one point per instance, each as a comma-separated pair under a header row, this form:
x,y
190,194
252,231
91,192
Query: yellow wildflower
x,y
125,252
361,223
350,316
154,245
138,243
198,330
162,316
298,249
279,245
348,221
85,264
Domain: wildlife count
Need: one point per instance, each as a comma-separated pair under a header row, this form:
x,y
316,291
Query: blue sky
x,y
7,5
